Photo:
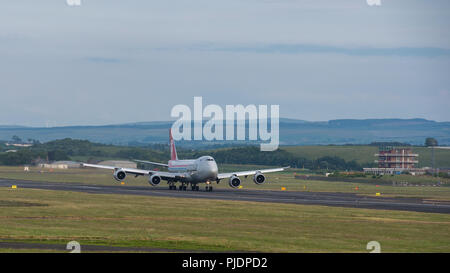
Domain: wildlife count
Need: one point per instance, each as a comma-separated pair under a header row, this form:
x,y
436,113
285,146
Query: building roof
x,y
65,163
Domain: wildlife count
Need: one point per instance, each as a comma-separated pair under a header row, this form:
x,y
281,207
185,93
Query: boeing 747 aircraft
x,y
191,171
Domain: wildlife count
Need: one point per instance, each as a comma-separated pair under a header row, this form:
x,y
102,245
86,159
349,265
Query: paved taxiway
x,y
290,197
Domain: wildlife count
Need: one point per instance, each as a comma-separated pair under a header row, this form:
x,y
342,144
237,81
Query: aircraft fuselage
x,y
198,170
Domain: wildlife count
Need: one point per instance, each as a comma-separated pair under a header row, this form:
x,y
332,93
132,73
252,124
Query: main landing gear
x,y
172,186
194,187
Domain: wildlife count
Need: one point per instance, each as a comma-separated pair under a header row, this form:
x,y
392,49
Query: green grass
x,y
6,250
214,225
365,154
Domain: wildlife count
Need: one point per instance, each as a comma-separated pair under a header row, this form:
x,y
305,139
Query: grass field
x,y
211,225
42,216
365,154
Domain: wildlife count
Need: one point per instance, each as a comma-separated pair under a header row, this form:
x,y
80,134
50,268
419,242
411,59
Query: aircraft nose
x,y
214,169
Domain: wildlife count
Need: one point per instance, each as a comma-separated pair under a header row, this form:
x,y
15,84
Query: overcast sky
x,y
111,61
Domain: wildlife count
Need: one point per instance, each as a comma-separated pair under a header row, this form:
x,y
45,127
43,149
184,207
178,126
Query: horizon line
x,y
18,126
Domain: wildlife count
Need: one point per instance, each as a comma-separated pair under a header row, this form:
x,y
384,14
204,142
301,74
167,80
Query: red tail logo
x,y
173,151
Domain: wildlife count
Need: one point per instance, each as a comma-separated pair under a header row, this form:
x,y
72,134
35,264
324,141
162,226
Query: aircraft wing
x,y
150,162
132,170
245,173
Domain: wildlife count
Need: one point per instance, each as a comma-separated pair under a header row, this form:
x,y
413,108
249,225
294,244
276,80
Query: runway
x,y
267,196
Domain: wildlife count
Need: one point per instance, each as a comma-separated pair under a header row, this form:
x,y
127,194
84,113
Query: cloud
x,y
103,60
319,49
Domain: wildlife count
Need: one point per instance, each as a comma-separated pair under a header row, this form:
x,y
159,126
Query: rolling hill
x,y
292,132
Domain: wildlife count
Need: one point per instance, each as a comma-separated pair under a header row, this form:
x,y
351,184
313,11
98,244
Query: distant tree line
x,y
65,149
252,155
389,143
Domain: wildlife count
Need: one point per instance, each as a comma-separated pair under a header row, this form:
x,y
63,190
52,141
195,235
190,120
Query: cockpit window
x,y
210,159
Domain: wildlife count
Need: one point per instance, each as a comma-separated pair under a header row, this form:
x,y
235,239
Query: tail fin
x,y
173,151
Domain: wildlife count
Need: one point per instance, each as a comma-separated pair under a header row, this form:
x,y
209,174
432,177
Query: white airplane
x,y
191,171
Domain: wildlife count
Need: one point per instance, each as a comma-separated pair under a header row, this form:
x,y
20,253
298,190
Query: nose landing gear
x,y
208,186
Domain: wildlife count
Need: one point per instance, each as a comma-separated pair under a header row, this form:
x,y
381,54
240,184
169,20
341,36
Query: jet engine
x,y
119,174
154,180
259,178
234,181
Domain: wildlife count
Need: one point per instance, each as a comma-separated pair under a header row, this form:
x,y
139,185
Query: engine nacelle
x,y
119,174
154,180
234,182
259,178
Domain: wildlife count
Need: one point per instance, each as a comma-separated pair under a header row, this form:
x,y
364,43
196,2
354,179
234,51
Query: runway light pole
x,y
432,161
